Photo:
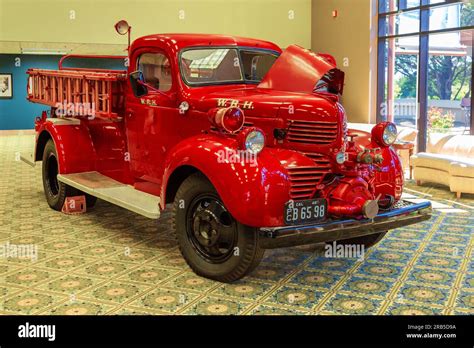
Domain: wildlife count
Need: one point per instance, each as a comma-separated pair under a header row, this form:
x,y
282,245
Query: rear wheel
x,y
211,241
54,190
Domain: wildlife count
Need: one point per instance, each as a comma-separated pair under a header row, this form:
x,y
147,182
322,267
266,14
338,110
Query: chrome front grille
x,y
320,160
312,132
304,179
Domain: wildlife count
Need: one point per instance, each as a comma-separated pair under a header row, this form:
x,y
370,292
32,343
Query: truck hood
x,y
260,103
300,83
301,70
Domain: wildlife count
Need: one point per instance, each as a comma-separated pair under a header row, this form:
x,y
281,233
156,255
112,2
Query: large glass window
x,y
400,80
449,83
425,66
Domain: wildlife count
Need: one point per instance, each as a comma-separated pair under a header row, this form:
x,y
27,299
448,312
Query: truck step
x,y
115,192
28,158
27,154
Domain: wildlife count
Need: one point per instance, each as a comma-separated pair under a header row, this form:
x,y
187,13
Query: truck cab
x,y
246,143
175,75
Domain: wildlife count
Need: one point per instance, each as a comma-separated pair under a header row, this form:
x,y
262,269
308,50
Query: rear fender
x,y
73,143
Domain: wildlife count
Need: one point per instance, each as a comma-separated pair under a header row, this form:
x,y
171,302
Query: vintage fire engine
x,y
248,143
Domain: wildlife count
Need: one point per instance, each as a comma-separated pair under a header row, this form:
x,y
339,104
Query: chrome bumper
x,y
403,214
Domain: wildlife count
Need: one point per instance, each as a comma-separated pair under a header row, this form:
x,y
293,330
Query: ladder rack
x,y
79,92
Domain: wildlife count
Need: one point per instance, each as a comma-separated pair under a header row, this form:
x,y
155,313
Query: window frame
x,y
423,60
239,49
137,67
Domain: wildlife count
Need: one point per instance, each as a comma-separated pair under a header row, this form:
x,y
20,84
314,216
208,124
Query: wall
x,y
349,36
86,26
50,21
18,113
91,21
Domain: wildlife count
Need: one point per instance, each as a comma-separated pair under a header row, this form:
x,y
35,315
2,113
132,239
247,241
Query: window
x,y
449,83
156,70
225,65
425,75
215,65
256,64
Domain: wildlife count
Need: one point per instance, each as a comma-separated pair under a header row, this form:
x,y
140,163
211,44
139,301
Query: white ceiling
x,y
18,47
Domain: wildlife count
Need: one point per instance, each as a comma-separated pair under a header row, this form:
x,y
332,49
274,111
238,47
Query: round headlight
x,y
255,141
389,134
384,133
252,140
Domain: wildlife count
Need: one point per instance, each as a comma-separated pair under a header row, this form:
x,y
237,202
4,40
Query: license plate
x,y
308,210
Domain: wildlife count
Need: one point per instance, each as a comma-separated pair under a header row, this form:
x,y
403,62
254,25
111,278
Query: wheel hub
x,y
211,229
206,228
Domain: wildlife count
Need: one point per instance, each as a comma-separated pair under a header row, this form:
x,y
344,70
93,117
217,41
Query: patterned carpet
x,y
111,261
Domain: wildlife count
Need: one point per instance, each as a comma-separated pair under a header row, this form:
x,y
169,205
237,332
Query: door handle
x,y
129,112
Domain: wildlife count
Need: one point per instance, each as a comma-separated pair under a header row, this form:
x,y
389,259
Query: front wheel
x,y
211,241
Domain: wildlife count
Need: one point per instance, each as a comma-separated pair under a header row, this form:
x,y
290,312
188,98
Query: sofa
x,y
449,160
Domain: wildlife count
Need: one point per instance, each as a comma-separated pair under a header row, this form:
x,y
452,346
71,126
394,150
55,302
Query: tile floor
x,y
111,261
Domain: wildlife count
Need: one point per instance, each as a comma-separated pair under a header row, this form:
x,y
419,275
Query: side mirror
x,y
137,82
122,27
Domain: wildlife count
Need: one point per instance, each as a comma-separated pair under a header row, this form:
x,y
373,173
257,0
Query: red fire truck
x,y
248,143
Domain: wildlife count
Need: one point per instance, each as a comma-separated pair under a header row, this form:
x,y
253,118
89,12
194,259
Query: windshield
x,y
225,65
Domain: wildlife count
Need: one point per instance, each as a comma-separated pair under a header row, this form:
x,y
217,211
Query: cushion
x,y
430,160
462,169
456,145
461,184
439,161
431,175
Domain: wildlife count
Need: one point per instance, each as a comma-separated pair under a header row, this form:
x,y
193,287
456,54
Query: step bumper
x,y
403,214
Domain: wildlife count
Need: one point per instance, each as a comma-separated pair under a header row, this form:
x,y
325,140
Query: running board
x,y
28,158
115,192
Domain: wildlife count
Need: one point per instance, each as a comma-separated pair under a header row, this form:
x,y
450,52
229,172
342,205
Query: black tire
x,y
209,236
368,241
55,191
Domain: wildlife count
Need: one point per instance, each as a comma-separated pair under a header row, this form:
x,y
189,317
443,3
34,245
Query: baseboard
x,y
17,132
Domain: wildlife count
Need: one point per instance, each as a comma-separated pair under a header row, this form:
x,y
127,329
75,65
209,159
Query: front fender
x,y
73,143
254,192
